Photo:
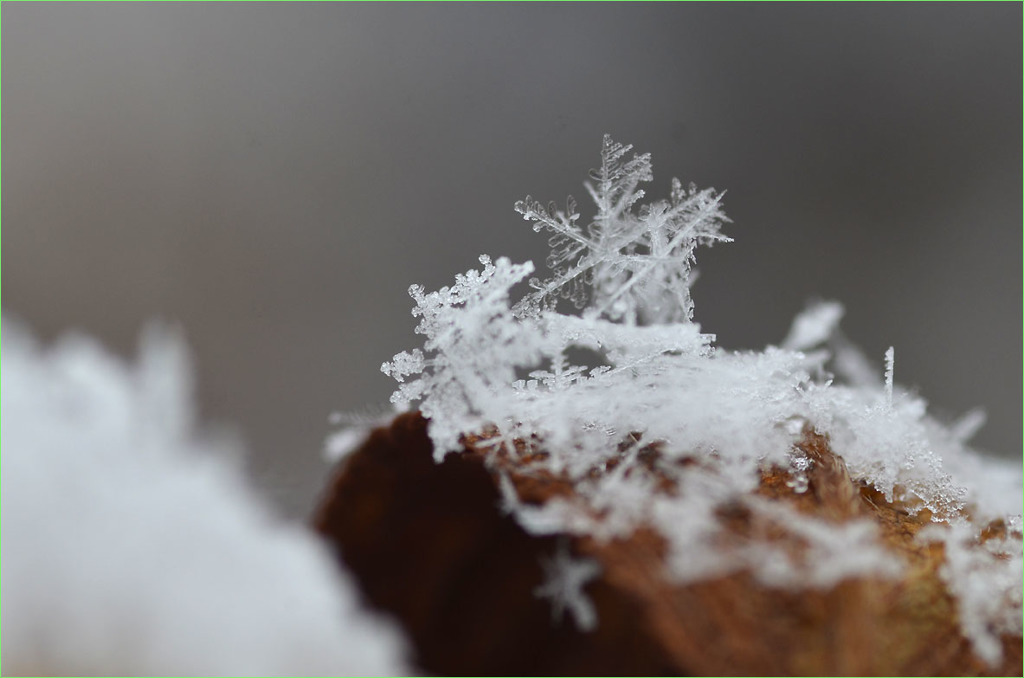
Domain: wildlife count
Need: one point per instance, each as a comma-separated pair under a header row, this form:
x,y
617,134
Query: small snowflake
x,y
564,579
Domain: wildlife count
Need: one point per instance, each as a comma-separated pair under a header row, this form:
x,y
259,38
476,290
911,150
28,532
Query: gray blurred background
x,y
273,178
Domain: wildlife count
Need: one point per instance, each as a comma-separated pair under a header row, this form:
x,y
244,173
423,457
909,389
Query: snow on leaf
x,y
632,365
985,576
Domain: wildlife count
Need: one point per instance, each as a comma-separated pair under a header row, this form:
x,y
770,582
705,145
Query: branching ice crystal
x,y
635,262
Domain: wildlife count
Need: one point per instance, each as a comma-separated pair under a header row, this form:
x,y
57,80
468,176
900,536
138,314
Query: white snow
x,y
131,544
986,580
491,364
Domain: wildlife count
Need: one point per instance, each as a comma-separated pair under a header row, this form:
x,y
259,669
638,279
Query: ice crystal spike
x,y
890,363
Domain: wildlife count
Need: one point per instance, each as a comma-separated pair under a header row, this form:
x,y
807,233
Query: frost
x,y
629,394
564,579
132,546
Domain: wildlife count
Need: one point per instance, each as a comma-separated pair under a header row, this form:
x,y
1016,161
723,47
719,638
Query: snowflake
x,y
637,263
472,349
564,579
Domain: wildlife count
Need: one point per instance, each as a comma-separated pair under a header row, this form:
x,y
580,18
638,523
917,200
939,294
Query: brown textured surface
x,y
428,543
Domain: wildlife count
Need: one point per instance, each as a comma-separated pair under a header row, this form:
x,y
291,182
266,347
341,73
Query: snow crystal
x,y
890,363
814,326
709,420
131,545
637,263
564,580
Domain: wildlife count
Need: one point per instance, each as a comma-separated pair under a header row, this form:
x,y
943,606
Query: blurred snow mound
x,y
131,543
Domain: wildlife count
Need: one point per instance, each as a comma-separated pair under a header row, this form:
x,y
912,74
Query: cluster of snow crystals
x,y
649,380
985,576
132,545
